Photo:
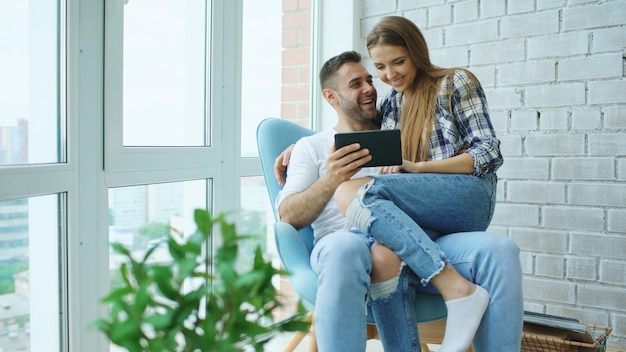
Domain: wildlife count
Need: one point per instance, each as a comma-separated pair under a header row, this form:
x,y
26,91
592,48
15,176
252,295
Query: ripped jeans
x,y
406,212
485,259
390,208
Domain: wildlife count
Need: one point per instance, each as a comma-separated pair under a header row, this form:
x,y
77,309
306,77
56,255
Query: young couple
x,y
419,222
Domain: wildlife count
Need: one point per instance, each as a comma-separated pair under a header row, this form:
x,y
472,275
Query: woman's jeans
x,y
343,262
403,210
485,259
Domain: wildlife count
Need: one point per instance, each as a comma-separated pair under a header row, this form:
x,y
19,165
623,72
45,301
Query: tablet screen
x,y
384,145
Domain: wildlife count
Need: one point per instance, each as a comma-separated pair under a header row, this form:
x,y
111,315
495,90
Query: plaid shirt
x,y
470,125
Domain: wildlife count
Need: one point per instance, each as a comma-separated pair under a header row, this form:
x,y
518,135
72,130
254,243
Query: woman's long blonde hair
x,y
418,110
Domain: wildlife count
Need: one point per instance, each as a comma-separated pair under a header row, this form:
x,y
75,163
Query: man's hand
x,y
342,164
301,209
280,164
345,162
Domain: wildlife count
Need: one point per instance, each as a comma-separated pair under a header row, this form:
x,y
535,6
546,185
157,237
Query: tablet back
x,y
384,145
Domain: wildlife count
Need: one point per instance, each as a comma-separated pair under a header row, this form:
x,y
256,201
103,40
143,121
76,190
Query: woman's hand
x,y
460,164
407,166
281,163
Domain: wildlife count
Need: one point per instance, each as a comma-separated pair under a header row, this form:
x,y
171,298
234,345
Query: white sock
x,y
464,316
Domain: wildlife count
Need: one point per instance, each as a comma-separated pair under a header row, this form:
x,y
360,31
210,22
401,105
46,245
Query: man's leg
x,y
343,263
492,262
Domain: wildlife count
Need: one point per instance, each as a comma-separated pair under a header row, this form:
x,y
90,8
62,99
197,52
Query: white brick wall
x,y
553,71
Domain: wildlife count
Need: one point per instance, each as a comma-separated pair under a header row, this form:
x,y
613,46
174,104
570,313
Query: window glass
x,y
164,75
31,116
140,216
256,217
30,267
144,216
261,68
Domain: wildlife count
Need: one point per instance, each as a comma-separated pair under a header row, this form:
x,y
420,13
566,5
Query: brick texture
x,y
296,60
553,72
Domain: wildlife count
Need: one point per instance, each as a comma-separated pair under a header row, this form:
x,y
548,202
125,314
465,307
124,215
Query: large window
x,y
261,89
118,118
33,142
141,217
164,72
32,283
261,69
32,119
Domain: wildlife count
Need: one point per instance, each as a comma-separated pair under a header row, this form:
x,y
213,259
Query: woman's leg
x,y
492,262
346,192
394,209
446,203
390,209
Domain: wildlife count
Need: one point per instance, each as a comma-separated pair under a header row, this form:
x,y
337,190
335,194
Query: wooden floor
x,y
277,344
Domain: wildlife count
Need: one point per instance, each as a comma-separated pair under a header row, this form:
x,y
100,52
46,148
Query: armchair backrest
x,y
274,135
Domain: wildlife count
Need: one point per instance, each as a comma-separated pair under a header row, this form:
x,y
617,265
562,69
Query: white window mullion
x,y
225,100
88,262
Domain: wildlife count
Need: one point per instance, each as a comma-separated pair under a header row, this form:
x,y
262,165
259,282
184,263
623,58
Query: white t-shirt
x,y
306,165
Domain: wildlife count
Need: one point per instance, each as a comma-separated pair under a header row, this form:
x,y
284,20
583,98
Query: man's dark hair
x,y
333,64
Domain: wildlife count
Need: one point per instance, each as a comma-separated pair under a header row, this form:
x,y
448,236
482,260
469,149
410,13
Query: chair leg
x,y
295,340
372,332
312,335
298,336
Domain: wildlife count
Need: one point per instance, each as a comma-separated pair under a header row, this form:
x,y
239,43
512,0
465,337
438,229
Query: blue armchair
x,y
294,247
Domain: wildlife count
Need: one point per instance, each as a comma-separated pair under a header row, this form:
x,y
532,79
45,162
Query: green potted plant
x,y
195,302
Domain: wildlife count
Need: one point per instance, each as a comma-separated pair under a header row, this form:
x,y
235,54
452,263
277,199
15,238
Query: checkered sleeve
x,y
472,118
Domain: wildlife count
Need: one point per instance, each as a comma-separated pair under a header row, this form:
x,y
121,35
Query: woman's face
x,y
393,66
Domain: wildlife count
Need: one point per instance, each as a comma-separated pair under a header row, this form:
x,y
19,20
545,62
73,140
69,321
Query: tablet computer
x,y
384,145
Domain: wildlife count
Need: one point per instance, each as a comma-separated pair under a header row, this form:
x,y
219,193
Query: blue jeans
x,y
485,259
390,209
402,210
343,262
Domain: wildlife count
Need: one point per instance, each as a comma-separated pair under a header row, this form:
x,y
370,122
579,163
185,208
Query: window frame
x,y
108,164
121,159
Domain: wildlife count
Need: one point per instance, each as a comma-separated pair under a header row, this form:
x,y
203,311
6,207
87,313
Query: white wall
x,y
554,78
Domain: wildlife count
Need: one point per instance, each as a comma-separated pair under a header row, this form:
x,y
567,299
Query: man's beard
x,y
354,112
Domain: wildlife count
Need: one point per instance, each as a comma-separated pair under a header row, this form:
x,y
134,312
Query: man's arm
x,y
301,209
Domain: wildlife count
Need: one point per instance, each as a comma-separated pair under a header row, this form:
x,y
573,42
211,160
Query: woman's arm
x,y
469,105
459,164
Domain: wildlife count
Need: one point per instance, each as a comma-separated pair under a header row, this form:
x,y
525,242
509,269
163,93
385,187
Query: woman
x,y
447,180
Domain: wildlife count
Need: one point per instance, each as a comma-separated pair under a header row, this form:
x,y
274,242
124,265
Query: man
x,y
347,262
342,259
